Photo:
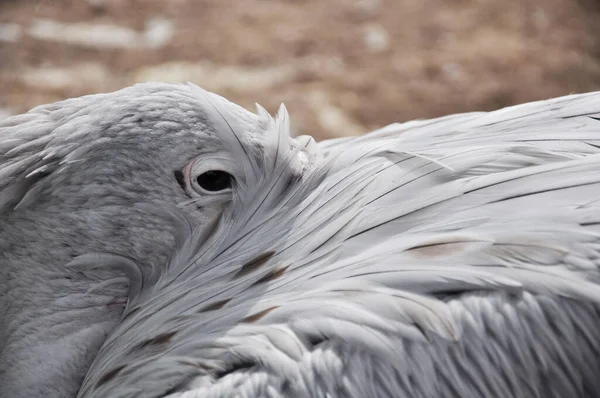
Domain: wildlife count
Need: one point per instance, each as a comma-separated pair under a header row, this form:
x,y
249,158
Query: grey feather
x,y
439,258
92,179
451,257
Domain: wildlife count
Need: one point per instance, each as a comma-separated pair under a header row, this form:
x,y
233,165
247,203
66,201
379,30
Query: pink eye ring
x,y
207,180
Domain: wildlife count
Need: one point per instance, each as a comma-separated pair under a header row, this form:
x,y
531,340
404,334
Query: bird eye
x,y
207,175
214,180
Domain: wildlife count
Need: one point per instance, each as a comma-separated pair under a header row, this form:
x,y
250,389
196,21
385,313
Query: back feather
x,y
452,257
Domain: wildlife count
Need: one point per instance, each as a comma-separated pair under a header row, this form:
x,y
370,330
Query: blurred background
x,y
342,67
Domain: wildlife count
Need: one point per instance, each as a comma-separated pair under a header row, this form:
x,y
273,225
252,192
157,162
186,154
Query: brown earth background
x,y
342,67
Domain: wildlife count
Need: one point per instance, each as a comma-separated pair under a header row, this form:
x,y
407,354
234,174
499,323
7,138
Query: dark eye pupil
x,y
214,180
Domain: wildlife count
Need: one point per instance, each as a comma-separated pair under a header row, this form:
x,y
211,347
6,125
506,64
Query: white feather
x,y
481,228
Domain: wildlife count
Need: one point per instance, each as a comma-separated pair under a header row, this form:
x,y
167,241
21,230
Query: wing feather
x,y
450,257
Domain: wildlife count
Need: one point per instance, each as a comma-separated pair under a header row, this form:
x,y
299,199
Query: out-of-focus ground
x,y
341,66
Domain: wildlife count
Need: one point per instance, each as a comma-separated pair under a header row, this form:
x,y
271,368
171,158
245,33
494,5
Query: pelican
x,y
161,241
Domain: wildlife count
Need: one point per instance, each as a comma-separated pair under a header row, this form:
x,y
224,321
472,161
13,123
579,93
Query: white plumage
x,y
454,257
